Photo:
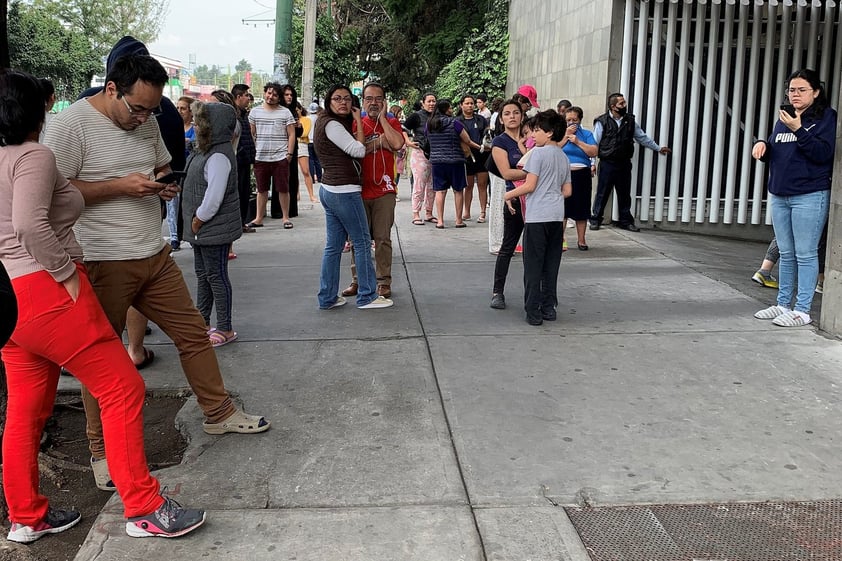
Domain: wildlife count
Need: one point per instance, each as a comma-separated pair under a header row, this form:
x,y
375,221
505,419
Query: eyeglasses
x,y
799,91
370,98
140,112
338,99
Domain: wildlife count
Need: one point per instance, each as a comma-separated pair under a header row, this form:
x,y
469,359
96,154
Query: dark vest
x,y
445,145
226,226
337,167
617,142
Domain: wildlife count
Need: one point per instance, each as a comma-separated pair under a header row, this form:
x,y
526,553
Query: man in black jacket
x,y
245,152
615,132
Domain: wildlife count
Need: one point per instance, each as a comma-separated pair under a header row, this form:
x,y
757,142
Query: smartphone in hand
x,y
789,108
172,177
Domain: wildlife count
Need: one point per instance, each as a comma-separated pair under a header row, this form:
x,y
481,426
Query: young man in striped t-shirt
x,y
273,130
110,148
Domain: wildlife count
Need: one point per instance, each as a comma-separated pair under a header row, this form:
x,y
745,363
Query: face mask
x,y
621,111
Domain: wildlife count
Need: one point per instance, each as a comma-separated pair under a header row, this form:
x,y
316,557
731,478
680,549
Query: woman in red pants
x,y
60,323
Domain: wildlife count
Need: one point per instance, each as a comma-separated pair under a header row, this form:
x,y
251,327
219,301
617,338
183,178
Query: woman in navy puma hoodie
x,y
800,157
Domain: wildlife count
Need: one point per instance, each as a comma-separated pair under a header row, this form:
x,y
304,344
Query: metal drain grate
x,y
797,531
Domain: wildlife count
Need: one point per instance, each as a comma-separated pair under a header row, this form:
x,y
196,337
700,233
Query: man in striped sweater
x,y
110,148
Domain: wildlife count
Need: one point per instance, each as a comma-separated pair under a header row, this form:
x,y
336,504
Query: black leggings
x,y
512,229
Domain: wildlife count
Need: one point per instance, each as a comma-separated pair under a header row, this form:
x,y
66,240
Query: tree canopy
x,y
408,45
103,22
41,45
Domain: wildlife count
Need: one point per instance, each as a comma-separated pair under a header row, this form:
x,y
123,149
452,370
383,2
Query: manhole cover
x,y
798,531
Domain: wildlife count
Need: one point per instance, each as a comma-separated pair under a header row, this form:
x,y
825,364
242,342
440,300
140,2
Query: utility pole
x,y
309,52
283,40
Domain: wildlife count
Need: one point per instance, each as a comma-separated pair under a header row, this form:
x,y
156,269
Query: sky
x,y
213,30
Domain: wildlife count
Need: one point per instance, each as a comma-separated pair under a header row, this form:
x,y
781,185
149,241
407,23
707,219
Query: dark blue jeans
x,y
617,176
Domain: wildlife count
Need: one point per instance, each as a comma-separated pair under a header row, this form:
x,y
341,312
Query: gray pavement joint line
x,y
447,423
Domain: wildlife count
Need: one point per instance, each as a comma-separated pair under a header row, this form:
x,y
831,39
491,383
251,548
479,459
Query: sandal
x,y
218,338
417,221
287,225
481,218
148,357
239,422
432,219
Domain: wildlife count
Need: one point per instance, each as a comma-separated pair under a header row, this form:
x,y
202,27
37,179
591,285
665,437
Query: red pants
x,y
52,330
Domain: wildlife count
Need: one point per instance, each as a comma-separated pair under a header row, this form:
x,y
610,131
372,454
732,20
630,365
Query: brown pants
x,y
156,288
381,217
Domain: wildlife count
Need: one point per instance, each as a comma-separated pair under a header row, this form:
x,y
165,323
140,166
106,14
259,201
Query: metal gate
x,y
706,78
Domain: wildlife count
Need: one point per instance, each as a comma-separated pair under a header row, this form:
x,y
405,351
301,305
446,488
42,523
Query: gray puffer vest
x,y
225,226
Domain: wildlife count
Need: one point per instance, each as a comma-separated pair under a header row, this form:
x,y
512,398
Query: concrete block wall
x,y
831,316
566,49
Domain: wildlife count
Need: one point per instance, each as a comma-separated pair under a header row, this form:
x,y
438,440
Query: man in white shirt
x,y
273,130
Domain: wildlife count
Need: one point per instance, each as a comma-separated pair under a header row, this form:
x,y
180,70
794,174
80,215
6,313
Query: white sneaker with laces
x,y
771,312
378,302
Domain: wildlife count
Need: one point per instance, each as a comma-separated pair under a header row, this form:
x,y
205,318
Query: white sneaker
x,y
771,312
340,301
378,302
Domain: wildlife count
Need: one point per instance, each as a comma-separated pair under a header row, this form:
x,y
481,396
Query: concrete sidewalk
x,y
443,430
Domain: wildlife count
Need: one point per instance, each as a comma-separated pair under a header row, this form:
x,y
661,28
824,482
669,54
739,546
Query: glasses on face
x,y
799,91
370,98
341,99
140,112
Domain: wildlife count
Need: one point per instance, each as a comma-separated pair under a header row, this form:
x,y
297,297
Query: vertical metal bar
x,y
813,43
667,116
652,104
827,42
721,115
639,73
283,40
778,85
747,161
734,156
707,113
628,33
798,39
680,99
693,113
766,112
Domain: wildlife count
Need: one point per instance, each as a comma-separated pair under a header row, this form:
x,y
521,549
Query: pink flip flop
x,y
218,338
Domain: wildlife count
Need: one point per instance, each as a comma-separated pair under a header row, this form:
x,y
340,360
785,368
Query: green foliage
x,y
335,55
40,45
104,22
482,64
243,66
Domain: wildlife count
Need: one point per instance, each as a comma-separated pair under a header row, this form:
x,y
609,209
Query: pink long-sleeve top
x,y
38,208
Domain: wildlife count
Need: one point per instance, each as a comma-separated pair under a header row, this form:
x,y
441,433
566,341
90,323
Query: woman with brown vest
x,y
341,196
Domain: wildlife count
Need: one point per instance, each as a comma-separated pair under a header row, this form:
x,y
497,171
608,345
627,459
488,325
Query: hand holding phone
x,y
789,109
172,177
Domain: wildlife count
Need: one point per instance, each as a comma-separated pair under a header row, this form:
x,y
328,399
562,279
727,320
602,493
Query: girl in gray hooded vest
x,y
211,206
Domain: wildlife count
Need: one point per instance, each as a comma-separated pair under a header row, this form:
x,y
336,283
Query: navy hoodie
x,y
801,162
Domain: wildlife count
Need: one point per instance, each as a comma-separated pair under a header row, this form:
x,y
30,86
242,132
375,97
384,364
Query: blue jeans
x,y
345,218
172,217
798,221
